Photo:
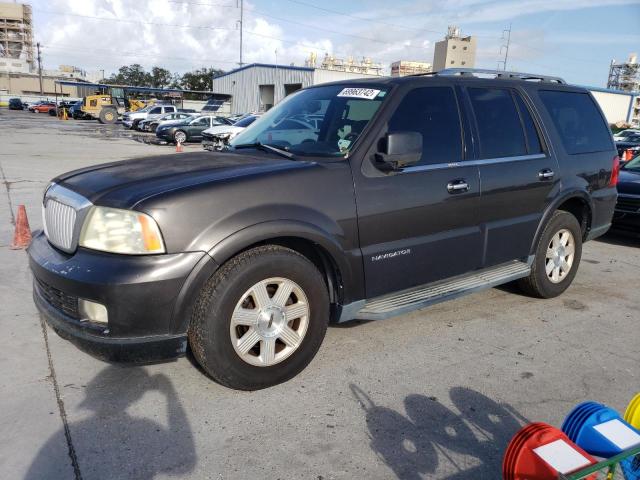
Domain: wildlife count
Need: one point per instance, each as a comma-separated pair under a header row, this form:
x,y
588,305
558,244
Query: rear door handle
x,y
458,186
546,174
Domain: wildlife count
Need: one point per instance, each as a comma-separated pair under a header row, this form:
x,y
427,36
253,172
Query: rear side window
x,y
577,121
499,126
433,112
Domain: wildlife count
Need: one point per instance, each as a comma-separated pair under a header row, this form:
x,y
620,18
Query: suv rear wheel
x,y
557,257
260,319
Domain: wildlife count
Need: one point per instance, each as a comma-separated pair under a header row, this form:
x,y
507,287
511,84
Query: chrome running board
x,y
413,299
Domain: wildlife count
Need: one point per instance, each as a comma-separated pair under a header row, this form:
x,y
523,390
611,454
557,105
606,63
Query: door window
x,y
533,139
577,121
201,121
156,110
499,126
433,112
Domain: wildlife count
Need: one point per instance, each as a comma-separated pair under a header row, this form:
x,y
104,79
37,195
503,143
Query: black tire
x,y
108,115
209,336
538,284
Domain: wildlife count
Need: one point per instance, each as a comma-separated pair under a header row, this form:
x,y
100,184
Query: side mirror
x,y
402,150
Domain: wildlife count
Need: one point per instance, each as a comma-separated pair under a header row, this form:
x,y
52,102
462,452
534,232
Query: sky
x,y
572,39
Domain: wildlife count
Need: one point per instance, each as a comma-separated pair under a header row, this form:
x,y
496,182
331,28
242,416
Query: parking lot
x,y
436,393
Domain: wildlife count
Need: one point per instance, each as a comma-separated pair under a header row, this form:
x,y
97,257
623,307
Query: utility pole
x,y
240,24
505,46
39,68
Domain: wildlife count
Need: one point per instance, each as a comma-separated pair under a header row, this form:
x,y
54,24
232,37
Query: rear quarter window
x,y
578,121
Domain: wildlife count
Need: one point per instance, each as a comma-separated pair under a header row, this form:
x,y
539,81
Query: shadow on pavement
x,y
475,434
119,440
621,238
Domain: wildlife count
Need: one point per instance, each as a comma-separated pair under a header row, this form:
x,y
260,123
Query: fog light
x,y
92,311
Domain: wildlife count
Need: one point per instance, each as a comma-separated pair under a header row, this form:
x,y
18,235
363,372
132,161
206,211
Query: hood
x,y
629,182
125,183
218,129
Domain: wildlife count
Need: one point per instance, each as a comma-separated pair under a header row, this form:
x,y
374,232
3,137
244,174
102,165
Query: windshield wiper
x,y
266,148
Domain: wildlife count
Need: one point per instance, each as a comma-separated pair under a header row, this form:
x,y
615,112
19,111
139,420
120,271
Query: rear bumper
x,y
143,296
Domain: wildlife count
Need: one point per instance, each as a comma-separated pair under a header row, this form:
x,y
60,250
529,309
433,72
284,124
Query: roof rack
x,y
471,72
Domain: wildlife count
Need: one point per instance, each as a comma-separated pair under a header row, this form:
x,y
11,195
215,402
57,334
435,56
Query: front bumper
x,y
627,213
141,294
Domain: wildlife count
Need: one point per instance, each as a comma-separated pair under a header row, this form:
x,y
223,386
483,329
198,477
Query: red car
x,y
44,107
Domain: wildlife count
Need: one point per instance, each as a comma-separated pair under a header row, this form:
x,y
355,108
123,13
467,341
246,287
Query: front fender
x,y
347,261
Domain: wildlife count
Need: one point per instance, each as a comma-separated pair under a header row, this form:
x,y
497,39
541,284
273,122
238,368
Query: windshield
x,y
633,164
320,121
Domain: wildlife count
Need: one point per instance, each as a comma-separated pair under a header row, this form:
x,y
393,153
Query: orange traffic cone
x,y
178,147
628,155
22,235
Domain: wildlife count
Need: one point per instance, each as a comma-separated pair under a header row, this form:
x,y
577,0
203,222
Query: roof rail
x,y
463,72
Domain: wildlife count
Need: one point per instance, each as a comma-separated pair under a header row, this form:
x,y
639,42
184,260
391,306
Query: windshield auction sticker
x,y
368,93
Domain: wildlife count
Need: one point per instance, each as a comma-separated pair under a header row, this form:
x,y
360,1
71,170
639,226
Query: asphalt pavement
x,y
433,394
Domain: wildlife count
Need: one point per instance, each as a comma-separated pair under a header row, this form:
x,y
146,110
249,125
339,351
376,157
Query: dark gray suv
x,y
384,196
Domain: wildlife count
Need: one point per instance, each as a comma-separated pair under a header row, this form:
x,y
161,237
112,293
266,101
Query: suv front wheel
x,y
557,257
260,319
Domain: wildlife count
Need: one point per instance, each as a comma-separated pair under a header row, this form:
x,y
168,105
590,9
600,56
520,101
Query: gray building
x,y
259,86
455,51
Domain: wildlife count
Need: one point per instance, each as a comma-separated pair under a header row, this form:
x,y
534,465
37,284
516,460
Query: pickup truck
x,y
131,119
404,193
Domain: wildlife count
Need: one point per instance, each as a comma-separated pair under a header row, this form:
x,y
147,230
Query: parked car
x,y
187,130
45,107
150,124
15,104
32,107
246,255
217,138
631,142
623,134
131,119
76,111
627,212
58,111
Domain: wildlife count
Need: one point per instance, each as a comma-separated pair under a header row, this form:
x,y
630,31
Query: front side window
x,y
201,121
156,110
499,127
433,112
319,121
578,121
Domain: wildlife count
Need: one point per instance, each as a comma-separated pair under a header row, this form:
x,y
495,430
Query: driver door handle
x,y
458,186
546,174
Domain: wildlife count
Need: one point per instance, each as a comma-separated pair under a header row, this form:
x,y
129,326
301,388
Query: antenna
x,y
505,46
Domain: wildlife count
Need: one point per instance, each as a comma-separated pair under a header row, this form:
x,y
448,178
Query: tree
x,y
160,77
200,79
131,75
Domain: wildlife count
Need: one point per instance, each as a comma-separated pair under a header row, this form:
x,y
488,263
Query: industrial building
x,y
619,107
625,76
16,38
259,86
455,51
402,68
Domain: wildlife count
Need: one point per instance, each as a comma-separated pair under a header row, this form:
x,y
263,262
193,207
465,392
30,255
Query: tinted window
x,y
155,110
433,112
499,126
577,121
533,140
245,122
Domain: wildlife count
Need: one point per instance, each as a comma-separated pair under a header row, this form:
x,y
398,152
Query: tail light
x,y
615,171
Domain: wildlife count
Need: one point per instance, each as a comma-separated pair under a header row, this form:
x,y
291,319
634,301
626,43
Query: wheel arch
x,y
578,203
308,240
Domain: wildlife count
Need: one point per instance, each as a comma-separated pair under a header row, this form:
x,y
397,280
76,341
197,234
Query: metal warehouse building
x,y
259,86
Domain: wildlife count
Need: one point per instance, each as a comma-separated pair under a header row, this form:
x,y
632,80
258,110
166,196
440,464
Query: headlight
x,y
121,231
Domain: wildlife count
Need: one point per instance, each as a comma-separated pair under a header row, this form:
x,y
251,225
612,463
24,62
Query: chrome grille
x,y
59,221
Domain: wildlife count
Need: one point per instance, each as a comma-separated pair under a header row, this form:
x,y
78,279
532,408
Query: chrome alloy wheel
x,y
560,254
269,322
